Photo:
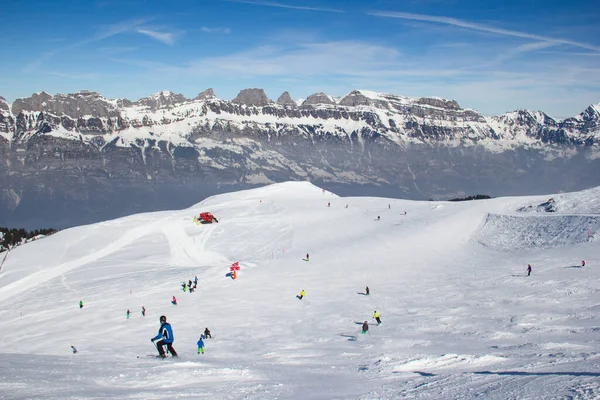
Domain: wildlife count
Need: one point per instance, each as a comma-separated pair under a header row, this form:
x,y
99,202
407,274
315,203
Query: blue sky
x,y
494,56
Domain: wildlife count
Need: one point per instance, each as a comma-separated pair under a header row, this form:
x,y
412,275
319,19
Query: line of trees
x,y
13,237
476,197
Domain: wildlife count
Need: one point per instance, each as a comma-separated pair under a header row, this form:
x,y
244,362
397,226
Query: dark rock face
x,y
80,158
252,97
286,100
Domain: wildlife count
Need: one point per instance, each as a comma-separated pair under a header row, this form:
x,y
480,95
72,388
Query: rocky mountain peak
x,y
252,97
162,99
318,98
355,98
73,105
208,94
286,100
439,103
4,104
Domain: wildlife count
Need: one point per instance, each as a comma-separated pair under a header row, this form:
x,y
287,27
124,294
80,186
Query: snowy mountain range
x,y
76,148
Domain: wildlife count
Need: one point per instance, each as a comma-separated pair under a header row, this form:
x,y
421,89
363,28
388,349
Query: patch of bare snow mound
x,y
508,232
584,202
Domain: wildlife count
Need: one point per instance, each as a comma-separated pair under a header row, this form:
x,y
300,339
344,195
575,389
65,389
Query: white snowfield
x,y
460,319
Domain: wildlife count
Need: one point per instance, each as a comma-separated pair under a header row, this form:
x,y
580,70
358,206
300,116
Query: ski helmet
x,y
163,318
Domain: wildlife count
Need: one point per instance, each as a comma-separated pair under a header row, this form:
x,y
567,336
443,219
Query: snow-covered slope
x,y
460,319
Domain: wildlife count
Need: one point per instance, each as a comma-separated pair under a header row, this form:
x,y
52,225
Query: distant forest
x,y
476,197
12,237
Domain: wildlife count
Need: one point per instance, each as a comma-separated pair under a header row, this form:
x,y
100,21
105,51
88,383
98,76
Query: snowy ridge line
x,y
173,118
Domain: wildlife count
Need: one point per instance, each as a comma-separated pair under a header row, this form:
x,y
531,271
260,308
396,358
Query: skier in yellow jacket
x,y
377,317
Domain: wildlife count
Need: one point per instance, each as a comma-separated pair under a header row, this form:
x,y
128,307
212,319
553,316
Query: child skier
x,y
200,345
528,269
377,317
365,327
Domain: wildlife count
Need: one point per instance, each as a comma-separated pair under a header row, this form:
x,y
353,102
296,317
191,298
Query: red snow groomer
x,y
207,218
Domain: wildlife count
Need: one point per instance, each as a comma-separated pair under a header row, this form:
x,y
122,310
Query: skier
x,y
307,257
328,204
389,206
346,205
583,263
200,345
73,349
528,269
80,303
184,287
195,281
165,334
190,283
302,293
365,327
207,333
143,311
234,276
367,291
378,218
174,301
377,317
128,312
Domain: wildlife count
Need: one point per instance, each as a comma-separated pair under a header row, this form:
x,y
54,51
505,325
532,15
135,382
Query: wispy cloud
x,y
281,5
164,37
481,27
215,30
525,48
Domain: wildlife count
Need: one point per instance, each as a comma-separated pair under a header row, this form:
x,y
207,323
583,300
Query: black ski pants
x,y
161,349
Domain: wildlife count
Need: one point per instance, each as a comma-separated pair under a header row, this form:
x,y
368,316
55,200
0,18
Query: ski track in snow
x,y
459,319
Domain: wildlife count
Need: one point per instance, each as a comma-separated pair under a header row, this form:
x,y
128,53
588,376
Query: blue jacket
x,y
200,343
165,333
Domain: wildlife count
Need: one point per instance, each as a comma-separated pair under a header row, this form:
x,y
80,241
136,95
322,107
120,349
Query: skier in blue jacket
x,y
165,334
200,345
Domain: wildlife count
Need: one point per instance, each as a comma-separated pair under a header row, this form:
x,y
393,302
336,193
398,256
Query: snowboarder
x,y
73,349
207,333
200,345
367,291
165,334
582,263
302,293
365,327
174,301
80,303
307,257
377,317
128,313
528,269
143,311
